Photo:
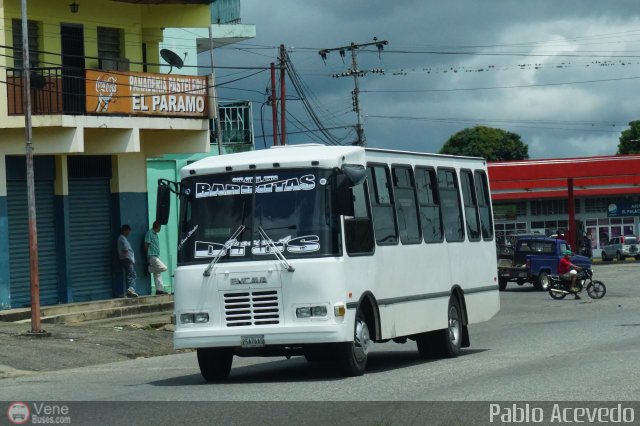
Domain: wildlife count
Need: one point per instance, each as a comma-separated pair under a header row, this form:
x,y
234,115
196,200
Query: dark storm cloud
x,y
440,94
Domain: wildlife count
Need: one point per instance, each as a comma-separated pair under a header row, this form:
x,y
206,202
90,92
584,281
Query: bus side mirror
x,y
163,203
356,173
342,196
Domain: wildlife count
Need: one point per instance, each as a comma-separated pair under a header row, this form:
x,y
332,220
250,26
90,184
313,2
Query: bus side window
x,y
451,208
406,205
384,222
470,205
359,229
486,218
429,200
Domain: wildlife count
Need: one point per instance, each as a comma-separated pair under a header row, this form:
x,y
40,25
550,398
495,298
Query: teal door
x,y
164,169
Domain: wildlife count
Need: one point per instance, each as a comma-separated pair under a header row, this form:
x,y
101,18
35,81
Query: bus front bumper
x,y
201,337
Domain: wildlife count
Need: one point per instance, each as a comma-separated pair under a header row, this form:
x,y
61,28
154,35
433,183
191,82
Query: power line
x,y
298,85
85,57
529,124
518,86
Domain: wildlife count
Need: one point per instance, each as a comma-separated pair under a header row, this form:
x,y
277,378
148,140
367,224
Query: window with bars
x,y
599,205
236,123
34,51
550,207
109,47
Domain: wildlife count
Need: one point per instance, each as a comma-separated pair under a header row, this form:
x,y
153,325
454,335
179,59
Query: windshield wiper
x,y
276,251
227,245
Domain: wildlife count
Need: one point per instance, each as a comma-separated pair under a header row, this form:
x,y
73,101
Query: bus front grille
x,y
252,308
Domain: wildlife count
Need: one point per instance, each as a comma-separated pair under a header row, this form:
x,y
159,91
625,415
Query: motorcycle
x,y
559,288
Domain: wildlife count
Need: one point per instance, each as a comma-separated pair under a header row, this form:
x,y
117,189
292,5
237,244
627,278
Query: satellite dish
x,y
172,59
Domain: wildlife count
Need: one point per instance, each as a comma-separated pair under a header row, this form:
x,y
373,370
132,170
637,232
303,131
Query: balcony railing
x,y
54,91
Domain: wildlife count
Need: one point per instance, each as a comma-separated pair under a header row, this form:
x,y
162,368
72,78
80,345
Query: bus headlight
x,y
186,319
194,318
304,312
318,311
201,317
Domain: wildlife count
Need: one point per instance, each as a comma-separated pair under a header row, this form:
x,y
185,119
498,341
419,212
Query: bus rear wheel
x,y
445,343
352,356
215,363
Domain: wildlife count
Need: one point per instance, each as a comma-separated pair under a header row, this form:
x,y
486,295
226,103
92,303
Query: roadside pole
x,y
31,198
283,103
355,72
274,104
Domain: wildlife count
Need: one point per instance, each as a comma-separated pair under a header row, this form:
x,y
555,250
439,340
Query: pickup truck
x,y
533,260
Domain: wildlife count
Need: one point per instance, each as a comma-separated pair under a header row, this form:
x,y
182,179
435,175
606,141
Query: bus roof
x,y
296,156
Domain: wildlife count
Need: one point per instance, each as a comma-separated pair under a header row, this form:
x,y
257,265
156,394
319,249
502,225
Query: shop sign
x,y
623,209
133,93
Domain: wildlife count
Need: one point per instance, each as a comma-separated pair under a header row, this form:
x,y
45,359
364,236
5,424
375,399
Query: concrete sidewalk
x,y
92,334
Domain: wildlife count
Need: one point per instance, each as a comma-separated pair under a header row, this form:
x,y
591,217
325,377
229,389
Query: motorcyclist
x,y
568,271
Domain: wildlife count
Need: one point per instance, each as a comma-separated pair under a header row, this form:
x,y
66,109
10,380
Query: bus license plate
x,y
252,341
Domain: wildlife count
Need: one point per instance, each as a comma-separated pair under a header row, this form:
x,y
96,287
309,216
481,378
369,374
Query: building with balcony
x,y
101,108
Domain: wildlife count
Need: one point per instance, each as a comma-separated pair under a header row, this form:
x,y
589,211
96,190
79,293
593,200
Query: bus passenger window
x,y
470,205
451,208
359,229
429,200
486,218
406,205
384,221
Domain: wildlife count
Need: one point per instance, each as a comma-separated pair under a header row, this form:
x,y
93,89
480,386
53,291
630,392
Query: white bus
x,y
321,251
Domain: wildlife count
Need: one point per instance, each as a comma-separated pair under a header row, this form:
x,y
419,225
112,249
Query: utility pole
x,y
274,104
355,72
283,108
31,197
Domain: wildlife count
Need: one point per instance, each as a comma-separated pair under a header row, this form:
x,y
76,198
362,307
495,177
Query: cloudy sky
x,y
562,74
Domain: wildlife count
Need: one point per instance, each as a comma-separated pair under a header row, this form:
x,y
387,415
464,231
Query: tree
x,y
492,144
630,139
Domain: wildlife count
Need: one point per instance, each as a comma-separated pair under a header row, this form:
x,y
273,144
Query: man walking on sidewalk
x,y
127,261
152,248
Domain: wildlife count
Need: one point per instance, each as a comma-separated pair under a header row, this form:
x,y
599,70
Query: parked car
x,y
621,248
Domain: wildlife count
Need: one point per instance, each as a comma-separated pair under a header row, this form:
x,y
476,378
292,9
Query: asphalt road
x,y
535,349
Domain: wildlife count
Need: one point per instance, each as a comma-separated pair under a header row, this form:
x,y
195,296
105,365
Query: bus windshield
x,y
292,207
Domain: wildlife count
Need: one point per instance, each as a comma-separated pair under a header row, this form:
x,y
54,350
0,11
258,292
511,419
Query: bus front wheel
x,y
214,363
353,355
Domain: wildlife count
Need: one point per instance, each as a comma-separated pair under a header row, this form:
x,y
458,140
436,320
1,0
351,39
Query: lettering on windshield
x,y
306,244
184,240
263,185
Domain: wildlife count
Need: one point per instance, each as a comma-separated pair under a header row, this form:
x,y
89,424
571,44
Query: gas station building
x,y
597,197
